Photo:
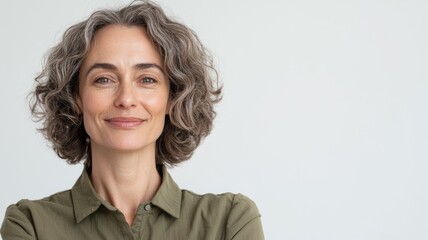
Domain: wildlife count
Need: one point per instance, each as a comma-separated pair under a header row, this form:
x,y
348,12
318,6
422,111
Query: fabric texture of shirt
x,y
173,214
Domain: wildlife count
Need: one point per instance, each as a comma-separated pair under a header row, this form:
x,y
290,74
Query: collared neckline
x,y
86,201
168,196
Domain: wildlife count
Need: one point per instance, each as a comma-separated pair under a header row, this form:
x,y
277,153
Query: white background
x,y
323,122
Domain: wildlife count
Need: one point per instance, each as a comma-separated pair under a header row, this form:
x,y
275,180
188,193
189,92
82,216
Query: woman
x,y
128,92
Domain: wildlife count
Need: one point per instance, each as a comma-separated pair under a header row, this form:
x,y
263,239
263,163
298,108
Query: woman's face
x,y
123,92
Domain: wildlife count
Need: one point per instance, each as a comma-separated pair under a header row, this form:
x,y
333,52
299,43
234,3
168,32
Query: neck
x,y
125,179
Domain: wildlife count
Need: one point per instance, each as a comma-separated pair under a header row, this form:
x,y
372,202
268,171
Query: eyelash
x,y
144,80
102,80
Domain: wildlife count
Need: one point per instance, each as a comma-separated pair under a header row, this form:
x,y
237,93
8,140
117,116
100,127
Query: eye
x,y
102,80
148,80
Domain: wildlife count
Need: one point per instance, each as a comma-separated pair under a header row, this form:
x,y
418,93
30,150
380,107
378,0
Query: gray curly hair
x,y
194,86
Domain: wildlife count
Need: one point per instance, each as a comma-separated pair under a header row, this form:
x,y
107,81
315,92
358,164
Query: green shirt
x,y
80,213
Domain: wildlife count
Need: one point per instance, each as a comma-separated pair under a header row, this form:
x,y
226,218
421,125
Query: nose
x,y
125,96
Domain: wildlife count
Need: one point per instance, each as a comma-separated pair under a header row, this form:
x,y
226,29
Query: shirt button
x,y
147,207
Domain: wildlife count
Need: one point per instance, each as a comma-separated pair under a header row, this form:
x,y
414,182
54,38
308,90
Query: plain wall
x,y
323,122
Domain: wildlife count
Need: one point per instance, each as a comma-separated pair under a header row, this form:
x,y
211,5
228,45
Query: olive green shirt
x,y
80,213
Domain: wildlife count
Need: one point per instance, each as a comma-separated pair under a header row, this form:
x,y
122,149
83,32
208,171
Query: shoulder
x,y
231,201
20,218
32,207
238,213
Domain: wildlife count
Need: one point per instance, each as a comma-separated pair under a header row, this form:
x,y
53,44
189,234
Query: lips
x,y
125,122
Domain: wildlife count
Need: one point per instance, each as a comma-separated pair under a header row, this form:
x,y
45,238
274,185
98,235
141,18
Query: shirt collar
x,y
168,196
86,200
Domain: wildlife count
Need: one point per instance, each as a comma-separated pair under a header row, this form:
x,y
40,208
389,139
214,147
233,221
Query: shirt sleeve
x,y
16,225
244,220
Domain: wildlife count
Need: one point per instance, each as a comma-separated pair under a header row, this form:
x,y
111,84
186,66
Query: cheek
x,y
92,107
92,104
157,104
157,107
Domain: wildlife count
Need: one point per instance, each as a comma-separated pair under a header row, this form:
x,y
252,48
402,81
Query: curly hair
x,y
194,85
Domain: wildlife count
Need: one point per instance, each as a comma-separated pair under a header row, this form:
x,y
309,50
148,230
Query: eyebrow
x,y
110,66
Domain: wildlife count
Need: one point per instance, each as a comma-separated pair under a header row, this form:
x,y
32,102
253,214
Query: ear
x,y
78,100
76,93
168,106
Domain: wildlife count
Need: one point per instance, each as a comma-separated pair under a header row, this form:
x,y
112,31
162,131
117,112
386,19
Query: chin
x,y
131,146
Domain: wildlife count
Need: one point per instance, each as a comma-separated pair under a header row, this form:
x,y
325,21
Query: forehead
x,y
122,43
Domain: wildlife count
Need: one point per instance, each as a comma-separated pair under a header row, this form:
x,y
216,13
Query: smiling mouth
x,y
125,122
